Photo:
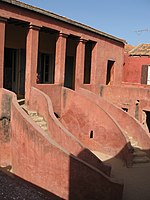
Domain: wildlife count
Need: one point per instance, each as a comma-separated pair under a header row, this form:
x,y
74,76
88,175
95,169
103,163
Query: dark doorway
x,y
14,71
10,69
148,119
70,63
109,72
69,72
87,62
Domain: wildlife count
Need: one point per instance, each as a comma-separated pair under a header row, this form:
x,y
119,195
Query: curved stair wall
x,y
90,124
130,125
5,131
37,158
40,102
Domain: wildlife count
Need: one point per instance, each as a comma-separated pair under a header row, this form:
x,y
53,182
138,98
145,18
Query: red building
x,y
70,77
136,65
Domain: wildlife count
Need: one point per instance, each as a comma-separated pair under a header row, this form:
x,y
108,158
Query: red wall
x,y
39,159
5,132
80,119
128,124
132,68
63,137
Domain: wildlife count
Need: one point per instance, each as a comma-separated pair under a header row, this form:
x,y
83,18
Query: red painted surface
x,y
132,68
81,120
104,50
79,76
60,59
63,137
31,60
128,124
36,157
5,132
126,96
2,42
52,157
56,130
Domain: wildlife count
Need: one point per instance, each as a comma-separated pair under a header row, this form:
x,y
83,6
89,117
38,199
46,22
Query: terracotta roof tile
x,y
128,47
141,50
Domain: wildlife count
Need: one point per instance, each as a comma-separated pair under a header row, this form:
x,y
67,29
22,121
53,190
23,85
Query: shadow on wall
x,y
88,185
132,175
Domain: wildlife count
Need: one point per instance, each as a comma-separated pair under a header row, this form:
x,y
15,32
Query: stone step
x,y
42,123
134,143
32,113
143,159
37,118
139,153
44,128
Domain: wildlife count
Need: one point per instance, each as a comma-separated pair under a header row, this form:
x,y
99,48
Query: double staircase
x,y
138,156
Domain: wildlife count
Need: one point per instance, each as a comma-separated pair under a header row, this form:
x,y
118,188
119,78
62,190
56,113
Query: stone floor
x,y
136,179
14,188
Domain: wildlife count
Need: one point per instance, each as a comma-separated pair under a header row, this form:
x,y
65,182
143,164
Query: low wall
x,y
54,92
130,126
134,98
39,159
40,102
43,105
5,132
93,127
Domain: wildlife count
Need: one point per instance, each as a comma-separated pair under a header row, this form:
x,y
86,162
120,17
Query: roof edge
x,y
61,18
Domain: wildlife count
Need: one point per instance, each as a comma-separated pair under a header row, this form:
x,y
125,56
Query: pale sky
x,y
126,19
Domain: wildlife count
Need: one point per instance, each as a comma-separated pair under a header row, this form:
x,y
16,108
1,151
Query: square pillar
x,y
2,46
32,43
60,59
80,59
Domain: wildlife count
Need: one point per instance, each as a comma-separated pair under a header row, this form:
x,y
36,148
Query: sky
x,y
125,19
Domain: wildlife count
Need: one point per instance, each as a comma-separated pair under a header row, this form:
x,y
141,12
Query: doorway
x,y
14,71
109,72
69,72
146,119
70,62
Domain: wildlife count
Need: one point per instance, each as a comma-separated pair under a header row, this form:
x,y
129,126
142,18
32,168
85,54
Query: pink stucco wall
x,y
105,48
130,126
39,159
80,119
5,132
40,102
132,68
126,96
54,92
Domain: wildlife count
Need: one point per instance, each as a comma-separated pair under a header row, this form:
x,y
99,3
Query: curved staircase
x,y
39,120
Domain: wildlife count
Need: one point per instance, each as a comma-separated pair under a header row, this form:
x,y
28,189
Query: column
x,y
80,57
2,46
31,59
60,59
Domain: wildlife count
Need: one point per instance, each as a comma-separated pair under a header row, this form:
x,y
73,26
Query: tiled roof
x,y
63,19
128,47
141,50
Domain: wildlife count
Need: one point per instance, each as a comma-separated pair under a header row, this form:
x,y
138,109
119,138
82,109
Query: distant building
x,y
136,68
